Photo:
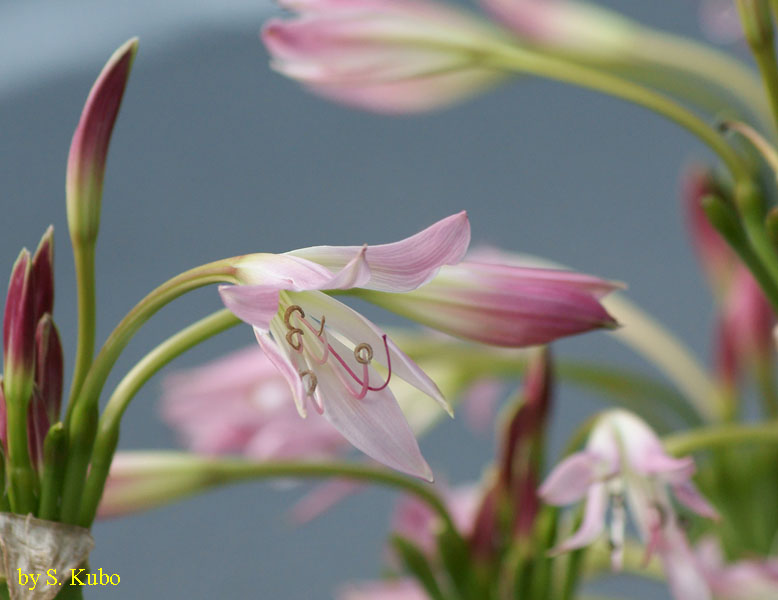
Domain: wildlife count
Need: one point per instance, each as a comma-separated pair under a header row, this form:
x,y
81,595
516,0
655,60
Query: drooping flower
x,y
491,300
326,351
241,404
388,56
625,466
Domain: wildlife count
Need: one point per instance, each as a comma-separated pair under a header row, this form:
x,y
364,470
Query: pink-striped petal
x,y
254,304
289,370
375,424
403,265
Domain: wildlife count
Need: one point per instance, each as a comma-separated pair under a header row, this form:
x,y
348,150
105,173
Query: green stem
x,y
21,477
765,377
698,60
108,428
215,471
687,442
758,29
54,455
523,61
81,421
84,257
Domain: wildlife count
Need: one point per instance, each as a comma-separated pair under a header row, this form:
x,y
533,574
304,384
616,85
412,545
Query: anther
x,y
289,311
312,381
296,343
363,353
321,327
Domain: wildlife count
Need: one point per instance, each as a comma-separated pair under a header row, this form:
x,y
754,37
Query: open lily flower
x,y
624,460
328,352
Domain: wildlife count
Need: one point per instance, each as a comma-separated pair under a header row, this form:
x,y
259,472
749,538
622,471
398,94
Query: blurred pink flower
x,y
624,463
325,350
753,579
744,318
396,589
242,404
387,56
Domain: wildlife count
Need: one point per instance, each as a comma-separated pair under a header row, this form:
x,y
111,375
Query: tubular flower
x,y
242,404
326,351
492,301
624,465
388,56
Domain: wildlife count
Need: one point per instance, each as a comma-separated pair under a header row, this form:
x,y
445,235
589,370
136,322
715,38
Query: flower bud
x,y
19,333
89,148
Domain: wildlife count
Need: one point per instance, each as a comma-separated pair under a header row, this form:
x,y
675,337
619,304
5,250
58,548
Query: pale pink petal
x,y
322,498
403,265
357,329
355,273
593,520
283,271
401,589
254,304
284,364
684,575
689,496
374,424
669,468
570,479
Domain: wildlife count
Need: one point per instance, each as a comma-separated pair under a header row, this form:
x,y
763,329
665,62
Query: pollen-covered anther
x,y
312,381
295,342
363,353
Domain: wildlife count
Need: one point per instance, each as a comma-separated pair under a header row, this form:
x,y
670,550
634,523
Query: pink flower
x,y
390,56
242,404
753,579
493,301
415,520
398,589
327,351
624,462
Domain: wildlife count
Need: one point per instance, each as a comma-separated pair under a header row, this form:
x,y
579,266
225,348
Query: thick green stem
x,y
81,421
523,61
720,436
54,455
84,256
110,421
22,479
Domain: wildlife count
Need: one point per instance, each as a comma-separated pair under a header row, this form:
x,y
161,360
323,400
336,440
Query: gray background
x,y
214,155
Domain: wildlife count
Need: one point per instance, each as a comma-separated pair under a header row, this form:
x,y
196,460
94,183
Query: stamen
x,y
294,308
354,375
319,335
312,381
363,353
297,344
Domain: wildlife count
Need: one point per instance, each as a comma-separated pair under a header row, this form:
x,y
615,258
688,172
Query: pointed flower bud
x,y
503,304
43,276
89,148
19,333
389,56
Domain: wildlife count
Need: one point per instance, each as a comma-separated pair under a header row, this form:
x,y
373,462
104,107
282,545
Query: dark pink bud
x,y
49,366
19,330
3,419
485,537
37,427
43,276
89,148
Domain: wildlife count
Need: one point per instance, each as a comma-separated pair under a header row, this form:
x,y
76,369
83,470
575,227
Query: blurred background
x,y
215,155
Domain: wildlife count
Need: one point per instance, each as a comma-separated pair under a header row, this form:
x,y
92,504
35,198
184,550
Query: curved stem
x,y
520,60
84,257
110,421
81,420
207,472
722,435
